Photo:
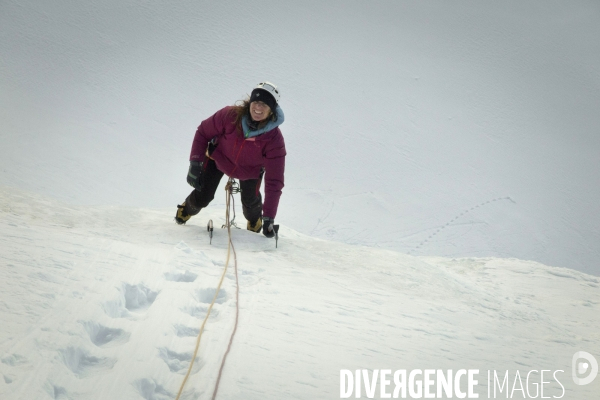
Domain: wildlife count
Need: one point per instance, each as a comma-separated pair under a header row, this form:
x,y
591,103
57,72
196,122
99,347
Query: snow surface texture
x,y
106,302
459,137
454,129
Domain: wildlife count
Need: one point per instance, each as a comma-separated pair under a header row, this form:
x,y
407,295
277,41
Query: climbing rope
x,y
230,189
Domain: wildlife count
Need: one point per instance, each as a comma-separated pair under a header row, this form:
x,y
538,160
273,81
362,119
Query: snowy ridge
x,y
106,302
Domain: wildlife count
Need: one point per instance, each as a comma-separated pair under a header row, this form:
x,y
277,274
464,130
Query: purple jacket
x,y
244,158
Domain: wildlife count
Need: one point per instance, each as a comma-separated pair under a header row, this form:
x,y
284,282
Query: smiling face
x,y
259,111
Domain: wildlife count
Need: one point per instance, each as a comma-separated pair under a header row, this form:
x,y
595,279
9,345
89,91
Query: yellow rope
x,y
228,188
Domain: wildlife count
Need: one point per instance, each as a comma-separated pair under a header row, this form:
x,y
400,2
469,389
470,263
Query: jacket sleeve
x,y
208,129
274,172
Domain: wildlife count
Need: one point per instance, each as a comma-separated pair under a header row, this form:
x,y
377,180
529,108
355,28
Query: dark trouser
x,y
211,177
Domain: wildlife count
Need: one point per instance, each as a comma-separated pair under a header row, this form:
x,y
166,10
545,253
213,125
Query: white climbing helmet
x,y
269,87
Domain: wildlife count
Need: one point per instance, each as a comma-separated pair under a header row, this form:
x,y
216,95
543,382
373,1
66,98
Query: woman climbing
x,y
244,142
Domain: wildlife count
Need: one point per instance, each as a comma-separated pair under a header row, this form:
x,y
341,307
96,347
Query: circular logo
x,y
582,363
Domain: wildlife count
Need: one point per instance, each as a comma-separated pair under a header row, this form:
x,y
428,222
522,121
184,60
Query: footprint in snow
x,y
14,360
103,336
132,299
138,297
82,363
57,392
178,362
149,389
186,331
206,295
186,276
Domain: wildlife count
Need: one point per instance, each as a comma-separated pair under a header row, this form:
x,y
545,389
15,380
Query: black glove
x,y
268,230
194,177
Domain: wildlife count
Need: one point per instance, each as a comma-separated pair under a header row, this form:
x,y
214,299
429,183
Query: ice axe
x,y
209,228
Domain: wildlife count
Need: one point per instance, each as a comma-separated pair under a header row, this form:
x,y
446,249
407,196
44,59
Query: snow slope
x,y
105,303
432,148
411,116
